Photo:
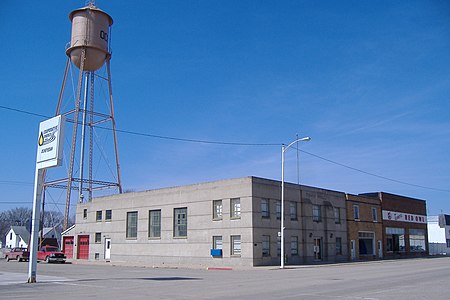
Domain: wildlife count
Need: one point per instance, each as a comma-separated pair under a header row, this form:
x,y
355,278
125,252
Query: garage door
x,y
68,246
83,247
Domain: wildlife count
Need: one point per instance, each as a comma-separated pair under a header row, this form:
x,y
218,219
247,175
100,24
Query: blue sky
x,y
369,81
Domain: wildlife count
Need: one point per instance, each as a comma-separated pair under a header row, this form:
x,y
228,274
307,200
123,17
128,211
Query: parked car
x,y
51,254
18,253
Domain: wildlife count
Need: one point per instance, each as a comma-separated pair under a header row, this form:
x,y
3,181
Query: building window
x,y
266,245
356,212
265,211
417,240
132,220
395,239
98,216
217,242
98,237
236,245
108,215
235,209
294,245
278,209
448,243
85,213
338,246
337,215
293,210
180,222
366,241
316,213
278,246
374,214
217,210
154,223
10,236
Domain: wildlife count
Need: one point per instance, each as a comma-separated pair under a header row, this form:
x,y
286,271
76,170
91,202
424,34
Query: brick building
x,y
364,228
404,225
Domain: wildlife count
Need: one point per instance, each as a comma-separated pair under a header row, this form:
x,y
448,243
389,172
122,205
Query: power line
x,y
236,144
373,174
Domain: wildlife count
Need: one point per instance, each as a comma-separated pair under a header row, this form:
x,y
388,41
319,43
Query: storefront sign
x,y
403,217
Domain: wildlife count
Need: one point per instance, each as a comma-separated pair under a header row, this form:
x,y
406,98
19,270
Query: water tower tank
x,y
90,30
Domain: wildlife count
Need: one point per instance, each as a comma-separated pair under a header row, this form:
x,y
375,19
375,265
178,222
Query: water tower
x,y
88,53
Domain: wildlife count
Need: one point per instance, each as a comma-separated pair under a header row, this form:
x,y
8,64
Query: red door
x,y
83,247
68,246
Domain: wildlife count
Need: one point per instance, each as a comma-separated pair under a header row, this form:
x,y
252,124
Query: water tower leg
x,y
113,120
74,139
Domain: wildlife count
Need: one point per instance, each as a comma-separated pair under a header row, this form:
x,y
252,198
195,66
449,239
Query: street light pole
x,y
283,150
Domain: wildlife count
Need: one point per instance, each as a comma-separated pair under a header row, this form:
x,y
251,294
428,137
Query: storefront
x,y
404,226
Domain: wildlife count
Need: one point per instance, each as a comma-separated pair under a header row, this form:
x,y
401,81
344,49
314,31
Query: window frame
x,y
294,241
293,211
108,218
235,208
265,245
265,208
98,216
318,216
85,213
217,210
374,214
236,248
215,245
356,212
337,215
152,226
98,237
131,234
278,209
181,227
338,245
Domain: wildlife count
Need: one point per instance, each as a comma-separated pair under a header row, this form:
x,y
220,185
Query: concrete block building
x,y
228,223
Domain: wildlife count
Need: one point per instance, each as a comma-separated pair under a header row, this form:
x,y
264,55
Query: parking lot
x,y
393,279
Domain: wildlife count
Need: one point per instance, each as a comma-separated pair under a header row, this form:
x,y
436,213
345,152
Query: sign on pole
x,y
49,154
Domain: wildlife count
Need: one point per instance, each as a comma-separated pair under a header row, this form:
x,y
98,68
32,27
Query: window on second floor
x,y
356,212
265,211
235,208
180,222
154,223
374,214
293,210
98,216
217,210
278,209
316,213
108,215
132,220
337,215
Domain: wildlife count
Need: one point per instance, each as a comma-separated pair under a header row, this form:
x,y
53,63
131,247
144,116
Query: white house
x,y
17,236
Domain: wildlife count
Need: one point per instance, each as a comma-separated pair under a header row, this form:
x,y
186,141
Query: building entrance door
x,y
317,249
108,248
353,249
380,249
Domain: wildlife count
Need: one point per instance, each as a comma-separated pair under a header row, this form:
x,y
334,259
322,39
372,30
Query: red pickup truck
x,y
51,254
20,254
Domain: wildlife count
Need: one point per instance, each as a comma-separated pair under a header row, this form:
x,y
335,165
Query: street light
x,y
283,150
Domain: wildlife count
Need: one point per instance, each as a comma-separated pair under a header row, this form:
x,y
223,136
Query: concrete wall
x,y
169,250
304,228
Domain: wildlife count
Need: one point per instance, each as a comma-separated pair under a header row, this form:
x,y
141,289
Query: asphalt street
x,y
391,279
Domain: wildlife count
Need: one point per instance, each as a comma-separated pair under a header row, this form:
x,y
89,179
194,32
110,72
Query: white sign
x,y
403,217
50,143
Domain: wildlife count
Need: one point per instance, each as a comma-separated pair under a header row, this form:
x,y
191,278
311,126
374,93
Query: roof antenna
x,y
90,2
